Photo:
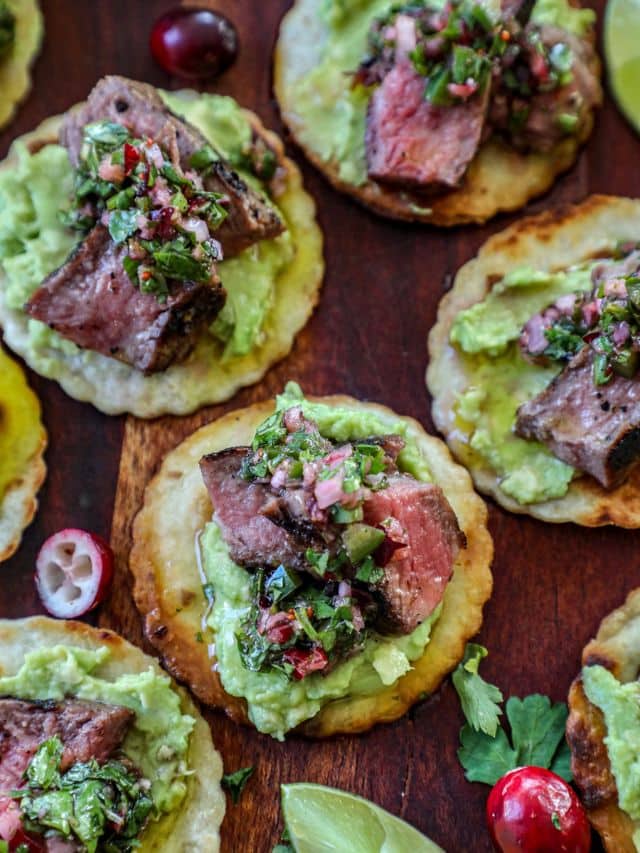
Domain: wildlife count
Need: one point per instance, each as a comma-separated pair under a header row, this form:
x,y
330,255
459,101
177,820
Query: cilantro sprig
x,y
536,727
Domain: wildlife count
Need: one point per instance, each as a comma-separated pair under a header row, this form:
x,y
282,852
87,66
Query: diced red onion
x,y
621,333
113,172
198,227
328,492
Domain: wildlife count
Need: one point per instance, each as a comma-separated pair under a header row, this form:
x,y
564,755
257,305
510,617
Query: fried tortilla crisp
x,y
552,241
499,178
617,648
22,443
15,69
192,828
168,584
208,375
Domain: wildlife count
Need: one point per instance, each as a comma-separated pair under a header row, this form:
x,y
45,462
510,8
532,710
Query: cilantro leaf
x,y
122,224
234,782
537,727
485,758
478,698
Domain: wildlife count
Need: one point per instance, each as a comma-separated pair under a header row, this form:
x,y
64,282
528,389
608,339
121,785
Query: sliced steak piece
x,y
595,428
417,572
92,301
410,142
140,109
87,730
250,516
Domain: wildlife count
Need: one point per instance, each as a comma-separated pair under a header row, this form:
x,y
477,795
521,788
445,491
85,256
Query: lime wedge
x,y
322,819
622,51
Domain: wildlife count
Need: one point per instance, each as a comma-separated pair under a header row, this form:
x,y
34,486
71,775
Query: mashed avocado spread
x,y
157,743
499,380
276,703
332,114
33,241
620,704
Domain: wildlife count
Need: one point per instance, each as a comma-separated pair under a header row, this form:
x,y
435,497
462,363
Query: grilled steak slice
x,y
87,730
410,142
92,301
595,428
251,518
140,109
417,572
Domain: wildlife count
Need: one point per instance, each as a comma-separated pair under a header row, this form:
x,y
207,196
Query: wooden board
x,y
368,339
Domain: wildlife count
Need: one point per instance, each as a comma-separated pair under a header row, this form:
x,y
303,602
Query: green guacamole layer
x,y
620,705
333,114
33,242
158,741
499,380
277,704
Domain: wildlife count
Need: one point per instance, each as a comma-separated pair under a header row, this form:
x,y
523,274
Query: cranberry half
x,y
194,43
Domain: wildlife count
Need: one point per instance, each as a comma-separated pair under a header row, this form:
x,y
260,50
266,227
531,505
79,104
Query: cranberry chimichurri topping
x,y
306,621
289,451
101,806
164,214
461,49
298,627
606,318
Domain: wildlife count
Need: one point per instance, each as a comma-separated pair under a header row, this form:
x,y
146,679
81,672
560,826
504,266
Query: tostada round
x,y
603,728
21,30
22,443
534,365
344,568
101,750
443,113
157,250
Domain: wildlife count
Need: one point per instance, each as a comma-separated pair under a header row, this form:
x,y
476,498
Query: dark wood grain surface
x,y
553,584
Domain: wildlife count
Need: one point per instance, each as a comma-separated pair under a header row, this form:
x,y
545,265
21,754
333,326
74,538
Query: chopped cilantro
x,y
555,820
234,782
203,158
122,224
368,572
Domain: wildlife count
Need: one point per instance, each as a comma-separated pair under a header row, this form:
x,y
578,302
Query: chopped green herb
x,y
369,573
203,158
555,820
281,584
234,782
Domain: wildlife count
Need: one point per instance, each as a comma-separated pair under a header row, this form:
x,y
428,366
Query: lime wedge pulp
x,y
326,820
622,51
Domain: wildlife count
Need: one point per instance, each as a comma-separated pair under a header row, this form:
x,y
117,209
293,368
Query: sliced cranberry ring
x,y
74,570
